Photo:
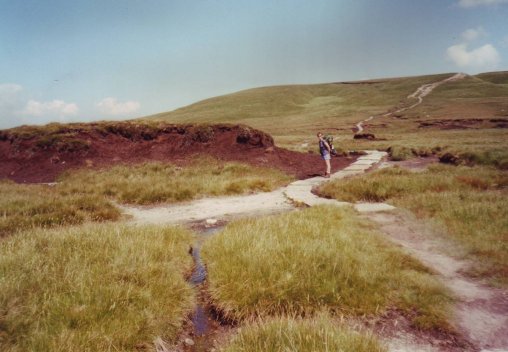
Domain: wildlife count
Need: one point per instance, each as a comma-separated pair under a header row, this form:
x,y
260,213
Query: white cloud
x,y
16,109
9,88
111,106
485,56
476,3
55,107
472,34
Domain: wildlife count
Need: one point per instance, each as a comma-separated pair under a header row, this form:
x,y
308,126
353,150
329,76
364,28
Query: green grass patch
x,y
315,259
30,206
157,182
311,335
471,203
93,288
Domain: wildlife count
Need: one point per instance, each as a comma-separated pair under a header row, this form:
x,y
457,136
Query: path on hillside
x,y
419,94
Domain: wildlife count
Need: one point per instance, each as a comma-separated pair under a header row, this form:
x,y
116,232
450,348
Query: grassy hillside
x,y
467,117
478,106
292,113
495,77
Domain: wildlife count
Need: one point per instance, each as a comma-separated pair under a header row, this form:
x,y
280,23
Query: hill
x,y
469,115
300,110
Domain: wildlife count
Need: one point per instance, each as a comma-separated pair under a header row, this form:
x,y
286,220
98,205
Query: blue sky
x,y
85,60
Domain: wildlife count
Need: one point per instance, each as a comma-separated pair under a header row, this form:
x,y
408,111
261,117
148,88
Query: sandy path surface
x,y
223,208
481,313
419,94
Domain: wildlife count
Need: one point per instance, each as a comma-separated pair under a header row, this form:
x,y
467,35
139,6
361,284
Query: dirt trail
x,y
481,313
223,208
419,94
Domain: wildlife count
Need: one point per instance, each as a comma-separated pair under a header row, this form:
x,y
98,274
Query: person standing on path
x,y
325,151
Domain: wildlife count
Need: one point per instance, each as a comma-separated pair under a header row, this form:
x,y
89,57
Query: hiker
x,y
325,150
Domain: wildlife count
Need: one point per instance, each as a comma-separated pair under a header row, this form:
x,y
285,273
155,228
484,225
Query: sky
x,y
86,60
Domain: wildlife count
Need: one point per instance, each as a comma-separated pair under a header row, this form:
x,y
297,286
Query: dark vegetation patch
x,y
496,157
368,136
42,153
450,124
400,153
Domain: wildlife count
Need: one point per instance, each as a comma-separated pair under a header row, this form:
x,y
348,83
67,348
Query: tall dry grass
x,y
93,288
319,258
470,203
32,206
319,334
156,182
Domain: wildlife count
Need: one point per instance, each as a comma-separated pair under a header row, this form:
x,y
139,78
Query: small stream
x,y
201,316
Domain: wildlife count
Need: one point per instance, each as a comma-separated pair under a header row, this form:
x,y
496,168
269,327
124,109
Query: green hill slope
x,y
290,112
494,77
468,115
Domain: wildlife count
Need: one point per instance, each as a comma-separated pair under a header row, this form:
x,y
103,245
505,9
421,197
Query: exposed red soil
x,y
33,154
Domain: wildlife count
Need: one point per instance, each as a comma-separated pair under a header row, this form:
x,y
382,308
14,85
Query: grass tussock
x,y
471,203
319,258
155,182
93,288
30,206
311,335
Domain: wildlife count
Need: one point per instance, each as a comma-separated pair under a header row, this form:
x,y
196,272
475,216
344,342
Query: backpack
x,y
329,139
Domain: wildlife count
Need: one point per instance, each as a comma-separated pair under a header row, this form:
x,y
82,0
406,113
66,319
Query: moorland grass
x,y
93,288
315,259
157,182
471,203
31,206
86,194
320,334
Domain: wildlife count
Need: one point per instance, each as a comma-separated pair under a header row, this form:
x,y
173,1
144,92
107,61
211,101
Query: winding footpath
x,y
481,312
280,200
419,94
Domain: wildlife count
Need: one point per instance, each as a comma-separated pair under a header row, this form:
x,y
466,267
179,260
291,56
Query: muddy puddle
x,y
203,321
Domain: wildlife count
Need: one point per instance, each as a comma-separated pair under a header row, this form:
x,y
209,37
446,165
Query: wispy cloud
x,y
10,102
16,109
504,41
58,108
472,34
8,93
111,106
477,3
